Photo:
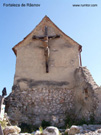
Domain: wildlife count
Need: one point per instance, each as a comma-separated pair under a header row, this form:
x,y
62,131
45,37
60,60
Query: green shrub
x,y
45,124
92,120
27,128
71,120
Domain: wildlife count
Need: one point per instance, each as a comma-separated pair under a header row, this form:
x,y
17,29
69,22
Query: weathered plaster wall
x,y
63,60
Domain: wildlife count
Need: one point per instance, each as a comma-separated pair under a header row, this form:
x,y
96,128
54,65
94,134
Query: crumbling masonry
x,y
66,89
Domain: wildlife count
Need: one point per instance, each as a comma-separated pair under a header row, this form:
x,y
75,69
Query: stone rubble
x,y
37,133
84,130
51,131
74,130
12,130
20,134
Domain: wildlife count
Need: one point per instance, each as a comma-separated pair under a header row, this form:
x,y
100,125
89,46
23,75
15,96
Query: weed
x,y
41,129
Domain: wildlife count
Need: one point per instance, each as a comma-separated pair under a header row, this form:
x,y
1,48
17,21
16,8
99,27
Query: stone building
x,y
50,82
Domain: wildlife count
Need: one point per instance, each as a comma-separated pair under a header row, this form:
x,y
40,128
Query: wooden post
x,y
80,59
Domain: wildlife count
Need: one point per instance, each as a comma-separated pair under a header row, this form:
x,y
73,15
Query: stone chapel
x,y
49,81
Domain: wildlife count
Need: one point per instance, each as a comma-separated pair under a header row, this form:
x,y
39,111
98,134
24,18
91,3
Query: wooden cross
x,y
45,40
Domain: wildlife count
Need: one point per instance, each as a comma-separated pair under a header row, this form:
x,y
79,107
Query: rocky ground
x,y
84,130
74,130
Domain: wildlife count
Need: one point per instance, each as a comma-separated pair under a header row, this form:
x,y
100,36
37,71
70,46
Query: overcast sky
x,y
81,22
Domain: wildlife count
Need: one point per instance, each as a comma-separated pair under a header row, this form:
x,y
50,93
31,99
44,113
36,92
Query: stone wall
x,y
53,101
37,104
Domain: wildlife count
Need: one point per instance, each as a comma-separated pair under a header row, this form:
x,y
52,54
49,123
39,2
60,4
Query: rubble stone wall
x,y
37,104
33,101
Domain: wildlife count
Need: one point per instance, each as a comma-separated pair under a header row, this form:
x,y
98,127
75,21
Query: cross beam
x,y
45,40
